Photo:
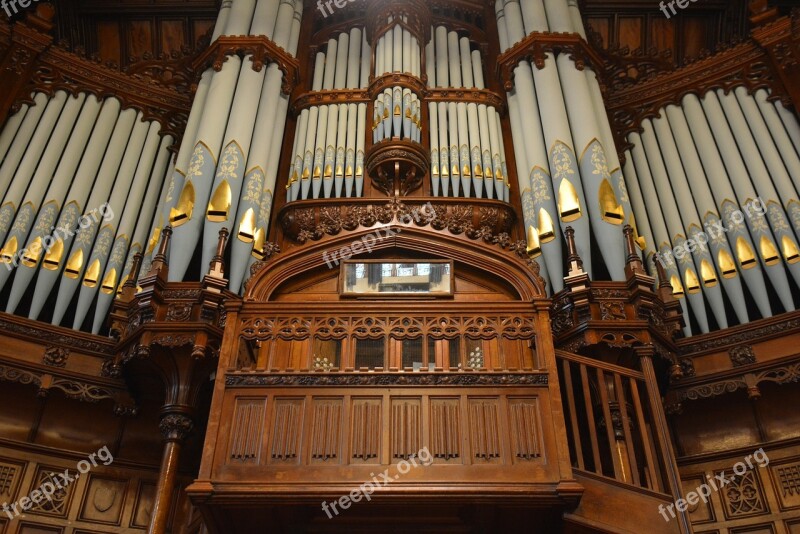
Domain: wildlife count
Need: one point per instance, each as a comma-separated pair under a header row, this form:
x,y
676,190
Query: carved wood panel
x,y
445,430
326,438
525,429
406,430
484,429
366,430
246,436
286,430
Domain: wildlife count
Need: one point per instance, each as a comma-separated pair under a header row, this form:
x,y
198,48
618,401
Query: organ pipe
x,y
72,262
112,188
126,201
133,230
744,192
38,233
713,250
21,142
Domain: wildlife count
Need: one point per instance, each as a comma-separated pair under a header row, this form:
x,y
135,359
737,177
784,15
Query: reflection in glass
x,y
433,278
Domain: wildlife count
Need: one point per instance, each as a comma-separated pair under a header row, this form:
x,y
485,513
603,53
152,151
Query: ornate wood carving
x,y
333,96
326,437
483,422
483,219
445,429
287,425
386,379
473,95
397,166
406,429
366,434
261,49
534,48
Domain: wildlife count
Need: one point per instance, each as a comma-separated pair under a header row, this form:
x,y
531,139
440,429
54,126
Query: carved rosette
x,y
176,427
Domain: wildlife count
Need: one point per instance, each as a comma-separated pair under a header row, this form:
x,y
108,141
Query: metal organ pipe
x,y
113,237
782,236
762,239
719,181
186,217
660,233
704,199
10,130
709,269
133,227
38,232
777,145
23,198
109,127
21,142
656,183
112,188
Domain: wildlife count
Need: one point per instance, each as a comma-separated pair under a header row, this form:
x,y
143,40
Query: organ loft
x,y
444,266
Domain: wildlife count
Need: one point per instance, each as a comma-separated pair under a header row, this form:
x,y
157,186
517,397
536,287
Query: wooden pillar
x,y
662,431
175,427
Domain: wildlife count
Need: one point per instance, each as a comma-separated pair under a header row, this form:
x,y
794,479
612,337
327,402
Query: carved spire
x,y
160,267
129,287
633,262
664,287
573,259
217,266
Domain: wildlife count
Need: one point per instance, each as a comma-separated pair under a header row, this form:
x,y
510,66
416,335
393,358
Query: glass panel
x,y
412,353
382,279
370,353
454,346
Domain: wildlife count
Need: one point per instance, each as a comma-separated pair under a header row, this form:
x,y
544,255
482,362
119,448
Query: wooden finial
x,y
573,258
160,266
217,266
633,262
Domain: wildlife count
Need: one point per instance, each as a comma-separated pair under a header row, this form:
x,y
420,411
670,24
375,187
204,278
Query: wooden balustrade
x,y
595,393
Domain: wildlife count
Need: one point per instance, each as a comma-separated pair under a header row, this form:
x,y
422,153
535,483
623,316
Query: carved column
x,y
175,427
28,40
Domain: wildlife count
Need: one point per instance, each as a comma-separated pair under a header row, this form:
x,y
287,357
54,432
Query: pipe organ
x,y
471,161
724,168
328,152
222,153
392,82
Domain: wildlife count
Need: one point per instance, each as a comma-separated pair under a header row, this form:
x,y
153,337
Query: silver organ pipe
x,y
21,141
110,189
132,239
39,236
109,128
338,151
113,238
761,238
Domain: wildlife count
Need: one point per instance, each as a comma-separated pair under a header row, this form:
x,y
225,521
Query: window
x,y
370,353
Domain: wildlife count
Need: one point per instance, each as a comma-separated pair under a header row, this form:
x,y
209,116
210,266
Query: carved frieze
x,y
387,379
